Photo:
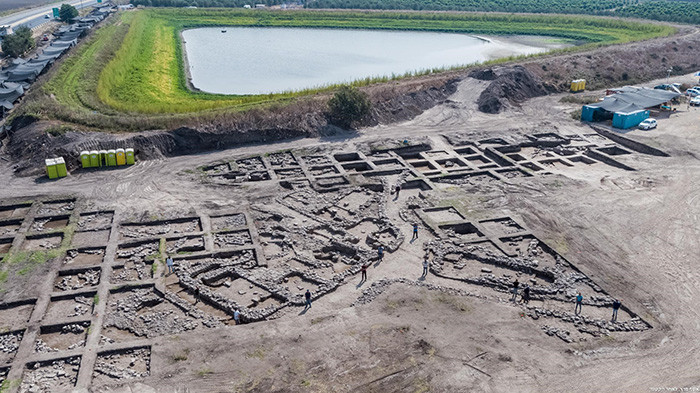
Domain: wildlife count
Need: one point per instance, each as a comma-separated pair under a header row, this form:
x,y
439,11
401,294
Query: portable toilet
x,y
95,159
574,85
85,159
121,157
111,157
103,157
51,171
61,167
582,84
130,159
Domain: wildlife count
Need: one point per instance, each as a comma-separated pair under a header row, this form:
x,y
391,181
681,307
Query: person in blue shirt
x,y
579,304
616,306
380,252
415,232
307,295
169,263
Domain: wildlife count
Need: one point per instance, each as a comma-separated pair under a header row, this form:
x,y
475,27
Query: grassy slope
x,y
142,72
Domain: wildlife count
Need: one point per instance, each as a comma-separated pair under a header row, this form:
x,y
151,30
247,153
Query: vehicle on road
x,y
47,16
695,101
647,124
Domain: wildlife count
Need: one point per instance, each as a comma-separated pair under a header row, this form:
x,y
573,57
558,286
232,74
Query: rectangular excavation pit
x,y
15,211
331,181
58,375
493,142
132,271
354,200
122,366
512,173
94,221
478,159
297,285
323,170
47,224
227,221
554,163
443,214
346,157
361,166
138,251
240,177
466,178
62,337
73,279
9,344
423,166
185,244
60,206
501,226
317,160
465,151
252,164
614,151
451,163
465,231
15,315
389,163
42,242
532,166
282,159
289,173
5,245
10,227
516,157
239,290
77,305
229,239
136,230
90,238
583,160
89,256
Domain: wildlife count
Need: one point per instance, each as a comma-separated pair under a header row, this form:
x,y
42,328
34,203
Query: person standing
x,y
380,253
169,263
307,296
364,273
426,264
616,306
415,231
196,295
398,190
526,294
579,304
516,284
237,317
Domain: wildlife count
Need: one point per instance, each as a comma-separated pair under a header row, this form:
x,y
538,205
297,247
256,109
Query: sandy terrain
x,y
590,225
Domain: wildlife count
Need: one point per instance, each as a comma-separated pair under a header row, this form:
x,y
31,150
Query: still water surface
x,y
254,60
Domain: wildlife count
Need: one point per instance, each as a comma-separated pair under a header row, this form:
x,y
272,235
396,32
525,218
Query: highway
x,y
36,16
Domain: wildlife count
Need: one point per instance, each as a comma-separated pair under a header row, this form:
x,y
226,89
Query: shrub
x,y
67,12
18,43
347,106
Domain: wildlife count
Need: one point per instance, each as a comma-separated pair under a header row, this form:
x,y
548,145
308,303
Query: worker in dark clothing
x,y
364,273
307,296
196,295
380,252
616,306
397,190
516,284
415,232
526,294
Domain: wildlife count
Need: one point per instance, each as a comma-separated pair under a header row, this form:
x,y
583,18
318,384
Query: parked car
x,y
693,92
47,16
695,101
647,124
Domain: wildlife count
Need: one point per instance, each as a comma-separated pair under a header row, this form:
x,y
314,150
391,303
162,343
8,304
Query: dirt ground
x,y
587,215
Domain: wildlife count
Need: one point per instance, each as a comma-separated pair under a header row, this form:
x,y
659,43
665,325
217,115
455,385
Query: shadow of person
x,y
306,308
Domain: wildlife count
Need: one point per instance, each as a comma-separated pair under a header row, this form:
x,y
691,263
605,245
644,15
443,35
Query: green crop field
x,y
130,73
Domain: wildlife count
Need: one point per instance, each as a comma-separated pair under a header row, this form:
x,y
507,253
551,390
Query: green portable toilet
x,y
85,159
111,157
103,157
51,168
130,159
95,159
121,157
61,167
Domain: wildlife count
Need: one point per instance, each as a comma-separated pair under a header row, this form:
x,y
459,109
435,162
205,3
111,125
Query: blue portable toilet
x,y
627,120
587,112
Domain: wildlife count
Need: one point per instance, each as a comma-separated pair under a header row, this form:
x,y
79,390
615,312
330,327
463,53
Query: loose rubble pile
x,y
87,278
9,342
52,376
122,366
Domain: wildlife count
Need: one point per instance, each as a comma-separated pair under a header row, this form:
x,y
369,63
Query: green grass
x,y
130,74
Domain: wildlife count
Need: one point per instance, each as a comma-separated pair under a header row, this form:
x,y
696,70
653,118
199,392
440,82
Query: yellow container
x,y
85,159
582,84
130,158
61,167
51,171
111,158
95,159
121,157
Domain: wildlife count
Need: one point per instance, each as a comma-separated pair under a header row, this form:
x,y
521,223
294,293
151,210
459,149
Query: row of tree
x,y
21,41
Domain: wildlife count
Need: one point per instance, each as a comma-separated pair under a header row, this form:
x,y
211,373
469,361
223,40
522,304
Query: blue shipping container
x,y
587,113
629,120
